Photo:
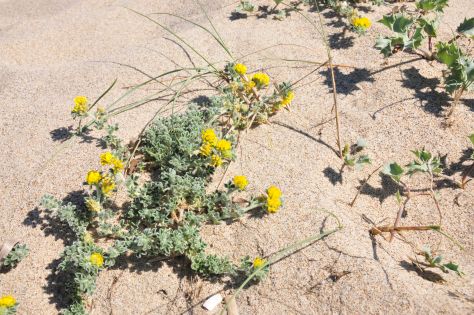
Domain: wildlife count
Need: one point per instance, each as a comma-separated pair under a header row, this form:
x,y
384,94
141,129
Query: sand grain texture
x,y
51,51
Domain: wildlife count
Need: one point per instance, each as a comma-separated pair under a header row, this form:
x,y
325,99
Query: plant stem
x,y
363,185
464,180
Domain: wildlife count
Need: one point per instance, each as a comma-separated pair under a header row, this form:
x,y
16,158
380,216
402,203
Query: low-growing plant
x,y
17,254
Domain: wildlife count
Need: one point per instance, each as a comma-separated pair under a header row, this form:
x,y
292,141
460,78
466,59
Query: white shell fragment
x,y
212,302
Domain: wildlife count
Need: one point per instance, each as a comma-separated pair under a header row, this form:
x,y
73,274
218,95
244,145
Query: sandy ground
x,y
53,50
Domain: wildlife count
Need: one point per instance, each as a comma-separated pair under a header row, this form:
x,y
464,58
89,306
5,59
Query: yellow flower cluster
x,y
108,185
223,147
361,22
97,259
93,177
248,86
108,158
261,79
209,137
93,205
7,301
258,262
240,69
240,182
80,105
273,199
285,101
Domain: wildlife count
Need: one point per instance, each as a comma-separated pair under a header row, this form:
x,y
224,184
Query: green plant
x,y
346,9
411,28
17,254
353,156
460,75
430,166
436,261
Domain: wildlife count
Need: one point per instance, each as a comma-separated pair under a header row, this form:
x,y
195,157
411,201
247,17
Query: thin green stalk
x,y
176,36
136,87
201,27
103,94
285,252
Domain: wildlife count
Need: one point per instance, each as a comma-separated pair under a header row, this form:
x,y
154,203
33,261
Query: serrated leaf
x,y
471,137
467,27
388,21
447,53
384,44
432,5
401,24
393,170
429,27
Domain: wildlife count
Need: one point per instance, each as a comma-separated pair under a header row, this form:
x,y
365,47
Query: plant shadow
x,y
425,274
434,102
388,188
347,83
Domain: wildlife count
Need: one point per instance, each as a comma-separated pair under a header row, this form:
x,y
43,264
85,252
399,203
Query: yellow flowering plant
x,y
218,151
361,24
7,302
181,152
245,100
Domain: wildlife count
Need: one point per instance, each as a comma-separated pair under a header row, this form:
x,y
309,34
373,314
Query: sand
x,y
51,51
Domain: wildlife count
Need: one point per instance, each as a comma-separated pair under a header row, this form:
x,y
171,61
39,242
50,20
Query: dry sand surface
x,y
53,50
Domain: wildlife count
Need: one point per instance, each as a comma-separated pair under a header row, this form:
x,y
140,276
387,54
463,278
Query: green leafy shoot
x,y
17,254
353,157
394,170
436,261
467,27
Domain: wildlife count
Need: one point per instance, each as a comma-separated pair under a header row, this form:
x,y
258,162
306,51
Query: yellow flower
x,y
205,149
7,301
108,185
106,158
261,79
216,160
88,238
258,262
80,105
361,22
93,177
240,68
288,98
249,86
93,205
273,192
209,136
273,204
227,154
118,165
240,182
96,259
223,145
